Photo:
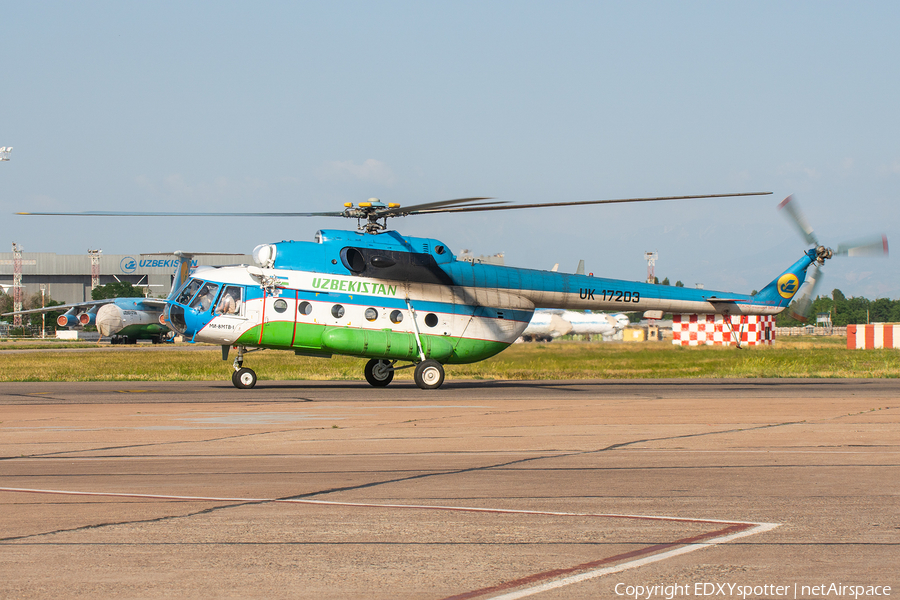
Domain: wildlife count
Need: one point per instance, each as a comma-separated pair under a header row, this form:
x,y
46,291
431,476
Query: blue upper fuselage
x,y
341,252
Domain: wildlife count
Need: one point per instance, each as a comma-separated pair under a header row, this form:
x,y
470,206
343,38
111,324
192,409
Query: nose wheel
x,y
244,378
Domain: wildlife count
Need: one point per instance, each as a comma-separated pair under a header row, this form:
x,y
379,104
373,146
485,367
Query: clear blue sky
x,y
304,106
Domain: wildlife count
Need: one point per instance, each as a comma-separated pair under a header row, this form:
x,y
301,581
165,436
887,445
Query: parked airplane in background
x,y
377,294
125,320
547,324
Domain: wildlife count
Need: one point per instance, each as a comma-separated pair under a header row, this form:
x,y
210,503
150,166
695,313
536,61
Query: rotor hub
x,y
369,214
823,254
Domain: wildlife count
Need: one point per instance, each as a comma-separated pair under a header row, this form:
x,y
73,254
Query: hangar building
x,y
67,277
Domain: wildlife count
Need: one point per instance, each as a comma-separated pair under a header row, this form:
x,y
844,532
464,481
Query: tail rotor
x,y
799,308
870,246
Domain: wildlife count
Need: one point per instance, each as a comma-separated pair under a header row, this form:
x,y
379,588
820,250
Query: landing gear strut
x,y
242,378
429,374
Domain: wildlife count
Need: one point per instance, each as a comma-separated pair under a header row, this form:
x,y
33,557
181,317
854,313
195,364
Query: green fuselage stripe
x,y
282,335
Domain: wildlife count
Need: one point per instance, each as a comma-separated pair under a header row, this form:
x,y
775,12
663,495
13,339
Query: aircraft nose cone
x,y
110,320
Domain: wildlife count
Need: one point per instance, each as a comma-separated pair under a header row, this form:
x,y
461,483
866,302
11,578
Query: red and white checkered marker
x,y
714,330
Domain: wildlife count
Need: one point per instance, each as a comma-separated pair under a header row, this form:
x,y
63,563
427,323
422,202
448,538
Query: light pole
x,y
43,314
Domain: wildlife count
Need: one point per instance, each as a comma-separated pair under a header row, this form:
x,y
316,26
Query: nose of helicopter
x,y
185,320
175,317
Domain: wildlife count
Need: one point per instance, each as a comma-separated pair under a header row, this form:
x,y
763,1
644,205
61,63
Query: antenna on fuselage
x,y
580,269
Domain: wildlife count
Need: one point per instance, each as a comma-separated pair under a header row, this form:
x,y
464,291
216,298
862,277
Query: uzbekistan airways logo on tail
x,y
787,285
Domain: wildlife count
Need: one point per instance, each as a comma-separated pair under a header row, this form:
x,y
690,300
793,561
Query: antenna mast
x,y
651,263
95,268
18,292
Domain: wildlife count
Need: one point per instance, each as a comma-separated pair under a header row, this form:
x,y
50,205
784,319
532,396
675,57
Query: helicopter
x,y
408,302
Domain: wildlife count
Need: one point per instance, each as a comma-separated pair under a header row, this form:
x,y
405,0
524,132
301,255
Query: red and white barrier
x,y
714,330
875,335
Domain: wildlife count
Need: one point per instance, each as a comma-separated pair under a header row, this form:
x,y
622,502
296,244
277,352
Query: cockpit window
x,y
188,291
205,296
231,301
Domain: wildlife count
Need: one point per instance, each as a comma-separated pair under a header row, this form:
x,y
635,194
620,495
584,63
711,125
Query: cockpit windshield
x,y
188,291
205,296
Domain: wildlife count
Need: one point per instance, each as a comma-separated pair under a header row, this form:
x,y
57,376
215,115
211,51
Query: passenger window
x,y
337,311
205,296
371,314
231,302
304,308
396,316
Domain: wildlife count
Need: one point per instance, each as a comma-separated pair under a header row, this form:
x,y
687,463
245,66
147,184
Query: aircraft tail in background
x,y
185,260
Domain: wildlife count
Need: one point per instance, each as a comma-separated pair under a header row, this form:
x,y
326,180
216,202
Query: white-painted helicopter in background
x,y
548,324
393,299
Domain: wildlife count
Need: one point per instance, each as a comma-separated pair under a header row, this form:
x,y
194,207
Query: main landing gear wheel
x,y
243,378
379,373
429,374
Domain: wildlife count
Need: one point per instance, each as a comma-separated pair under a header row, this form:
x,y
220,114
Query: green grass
x,y
790,357
39,344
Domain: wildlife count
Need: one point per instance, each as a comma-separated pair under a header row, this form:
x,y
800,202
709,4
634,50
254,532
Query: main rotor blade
x,y
475,205
386,212
587,202
799,308
795,216
405,210
466,208
875,246
112,213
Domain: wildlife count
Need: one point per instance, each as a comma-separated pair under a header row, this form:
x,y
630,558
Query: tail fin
x,y
185,265
185,260
782,289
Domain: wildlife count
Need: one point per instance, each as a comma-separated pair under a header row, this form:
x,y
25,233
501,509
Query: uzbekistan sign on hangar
x,y
135,263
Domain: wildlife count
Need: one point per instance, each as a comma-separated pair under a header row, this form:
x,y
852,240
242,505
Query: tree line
x,y
846,311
